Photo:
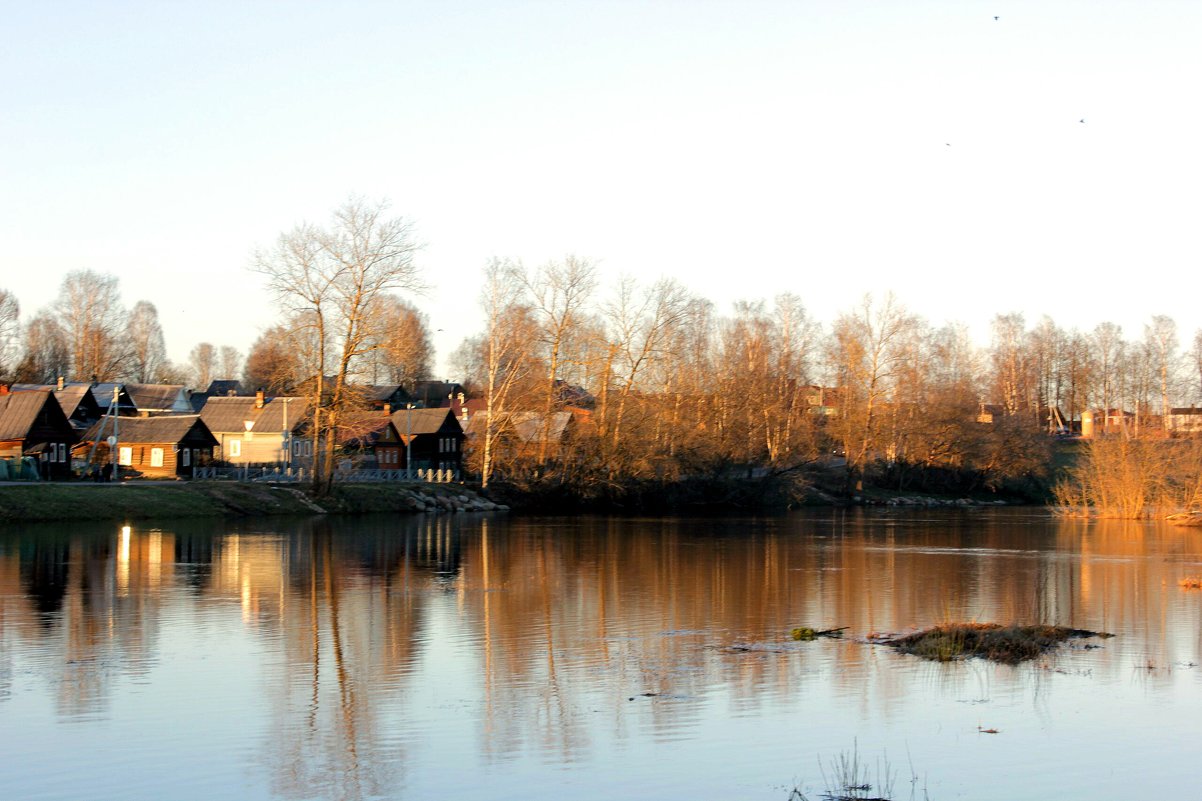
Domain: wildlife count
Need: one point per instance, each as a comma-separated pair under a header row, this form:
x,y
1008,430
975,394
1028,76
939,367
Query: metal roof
x,y
226,415
167,428
19,411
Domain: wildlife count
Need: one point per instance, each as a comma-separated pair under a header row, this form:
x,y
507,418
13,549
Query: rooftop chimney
x,y
259,399
60,382
387,409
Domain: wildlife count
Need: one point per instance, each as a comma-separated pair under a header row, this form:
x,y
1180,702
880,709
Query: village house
x,y
369,439
259,430
221,388
157,399
103,393
32,424
438,394
433,437
76,400
166,446
386,397
1185,420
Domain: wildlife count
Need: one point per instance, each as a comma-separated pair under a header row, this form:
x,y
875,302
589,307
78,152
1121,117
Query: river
x,y
486,657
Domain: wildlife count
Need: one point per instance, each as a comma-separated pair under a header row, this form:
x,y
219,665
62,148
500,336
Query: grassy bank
x,y
221,499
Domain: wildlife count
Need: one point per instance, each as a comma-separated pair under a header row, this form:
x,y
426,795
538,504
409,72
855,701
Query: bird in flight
x,y
995,19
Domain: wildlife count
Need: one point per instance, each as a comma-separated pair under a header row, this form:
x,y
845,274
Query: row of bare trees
x,y
674,389
86,334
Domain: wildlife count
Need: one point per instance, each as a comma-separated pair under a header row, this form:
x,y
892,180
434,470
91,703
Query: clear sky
x,y
976,157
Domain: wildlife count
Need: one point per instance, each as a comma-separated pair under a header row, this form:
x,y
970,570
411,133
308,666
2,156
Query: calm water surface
x,y
591,658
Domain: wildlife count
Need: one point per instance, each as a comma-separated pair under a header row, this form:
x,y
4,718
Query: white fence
x,y
300,475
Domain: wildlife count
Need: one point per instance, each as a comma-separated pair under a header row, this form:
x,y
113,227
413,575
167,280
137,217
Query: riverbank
x,y
148,500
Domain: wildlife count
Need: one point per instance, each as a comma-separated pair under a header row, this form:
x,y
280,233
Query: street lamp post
x,y
246,457
409,441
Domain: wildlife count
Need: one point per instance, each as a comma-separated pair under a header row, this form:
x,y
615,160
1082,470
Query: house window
x,y
186,455
235,448
125,455
62,452
156,457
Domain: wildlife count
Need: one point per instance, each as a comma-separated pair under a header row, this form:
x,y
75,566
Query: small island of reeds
x,y
1007,644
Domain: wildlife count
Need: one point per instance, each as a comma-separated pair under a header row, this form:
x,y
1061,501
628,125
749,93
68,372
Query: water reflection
x,y
381,652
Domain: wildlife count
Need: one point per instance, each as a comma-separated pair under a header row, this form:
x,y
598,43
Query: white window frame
x,y
156,457
235,448
125,455
185,456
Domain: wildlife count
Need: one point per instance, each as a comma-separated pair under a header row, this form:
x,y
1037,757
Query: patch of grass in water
x,y
1007,644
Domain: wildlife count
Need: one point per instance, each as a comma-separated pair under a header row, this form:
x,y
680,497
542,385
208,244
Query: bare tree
x,y
147,349
400,351
558,292
10,327
229,362
334,276
274,363
505,359
1109,350
88,310
203,359
1161,336
1011,363
867,350
642,324
47,352
1196,358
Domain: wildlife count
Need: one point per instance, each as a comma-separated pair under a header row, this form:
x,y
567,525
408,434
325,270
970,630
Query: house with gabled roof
x,y
165,446
259,429
103,393
76,399
426,439
386,397
156,399
437,394
219,388
32,424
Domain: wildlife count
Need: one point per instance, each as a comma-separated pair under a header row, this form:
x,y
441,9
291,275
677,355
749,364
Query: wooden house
x,y
166,446
434,439
437,394
371,439
32,423
1184,420
104,399
222,388
386,397
519,434
156,399
260,430
76,400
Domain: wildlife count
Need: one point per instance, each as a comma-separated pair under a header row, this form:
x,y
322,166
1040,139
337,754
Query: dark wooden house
x,y
167,446
32,423
76,400
434,438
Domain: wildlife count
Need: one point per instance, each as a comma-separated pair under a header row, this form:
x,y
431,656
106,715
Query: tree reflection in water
x,y
381,654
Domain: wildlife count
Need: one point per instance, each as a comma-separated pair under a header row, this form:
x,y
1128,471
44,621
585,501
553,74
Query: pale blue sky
x,y
748,148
